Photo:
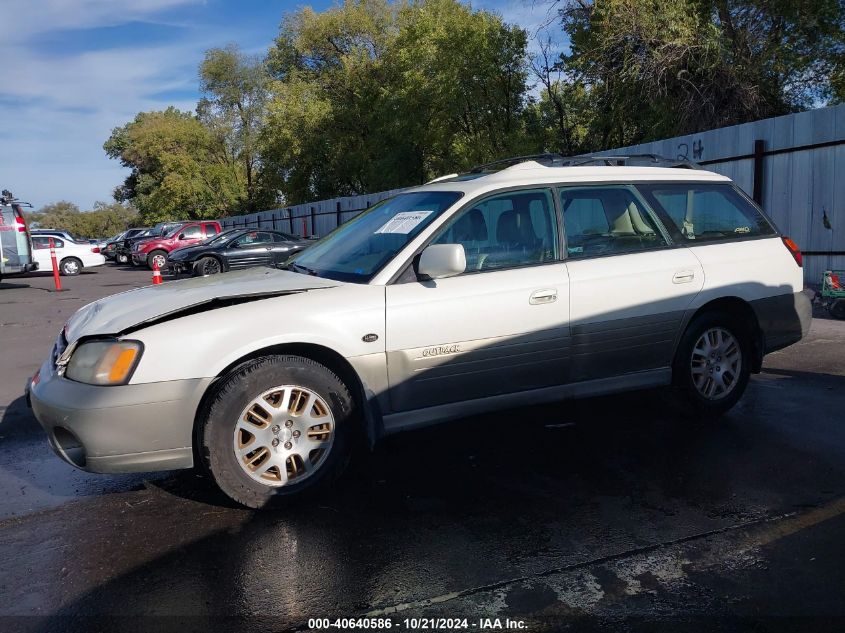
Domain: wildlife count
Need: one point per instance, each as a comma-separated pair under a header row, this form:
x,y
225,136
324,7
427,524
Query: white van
x,y
15,246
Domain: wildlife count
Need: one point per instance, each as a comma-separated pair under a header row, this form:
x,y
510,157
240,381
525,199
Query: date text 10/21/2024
x,y
418,624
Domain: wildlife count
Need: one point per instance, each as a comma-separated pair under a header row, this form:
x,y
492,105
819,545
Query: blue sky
x,y
72,70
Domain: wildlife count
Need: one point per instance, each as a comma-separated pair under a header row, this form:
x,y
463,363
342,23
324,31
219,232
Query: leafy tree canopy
x,y
179,170
661,68
233,108
104,220
374,95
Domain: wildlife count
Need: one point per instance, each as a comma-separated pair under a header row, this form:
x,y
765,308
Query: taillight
x,y
792,247
20,223
96,249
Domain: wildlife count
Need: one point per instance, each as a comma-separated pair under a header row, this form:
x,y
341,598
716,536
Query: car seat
x,y
471,231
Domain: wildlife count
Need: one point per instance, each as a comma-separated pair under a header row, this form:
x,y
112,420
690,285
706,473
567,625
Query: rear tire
x,y
837,308
278,428
713,363
70,267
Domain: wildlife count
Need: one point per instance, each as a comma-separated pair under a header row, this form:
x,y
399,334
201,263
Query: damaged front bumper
x,y
117,429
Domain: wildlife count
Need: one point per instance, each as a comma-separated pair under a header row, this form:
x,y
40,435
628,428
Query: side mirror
x,y
442,260
182,236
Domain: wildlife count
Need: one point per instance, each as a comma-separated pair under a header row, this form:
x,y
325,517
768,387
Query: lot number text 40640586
x,y
418,624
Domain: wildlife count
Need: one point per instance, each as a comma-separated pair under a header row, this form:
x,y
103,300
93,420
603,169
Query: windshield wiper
x,y
300,268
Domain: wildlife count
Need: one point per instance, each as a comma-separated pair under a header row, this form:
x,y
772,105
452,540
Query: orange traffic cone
x,y
156,274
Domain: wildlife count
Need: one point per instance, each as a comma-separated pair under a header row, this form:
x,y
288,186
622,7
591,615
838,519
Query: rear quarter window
x,y
701,212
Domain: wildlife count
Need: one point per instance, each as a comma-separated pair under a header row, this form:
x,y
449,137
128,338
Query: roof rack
x,y
558,160
7,197
651,160
515,160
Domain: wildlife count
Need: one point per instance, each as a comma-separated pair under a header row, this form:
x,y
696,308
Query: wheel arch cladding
x,y
220,260
743,311
370,418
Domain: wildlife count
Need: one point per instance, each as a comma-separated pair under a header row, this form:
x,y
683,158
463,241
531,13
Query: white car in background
x,y
71,256
501,288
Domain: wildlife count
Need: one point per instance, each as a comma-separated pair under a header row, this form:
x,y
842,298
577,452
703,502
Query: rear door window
x,y
607,221
43,241
192,232
706,212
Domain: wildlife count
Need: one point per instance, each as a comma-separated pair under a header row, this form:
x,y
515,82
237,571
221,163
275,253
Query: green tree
x,y
180,169
233,108
373,95
104,220
561,117
658,69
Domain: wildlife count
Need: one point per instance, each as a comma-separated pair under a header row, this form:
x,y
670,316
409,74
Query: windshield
x,y
224,235
169,230
357,250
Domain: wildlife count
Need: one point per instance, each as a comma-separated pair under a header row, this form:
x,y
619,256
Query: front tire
x,y
713,363
159,257
207,266
278,428
70,267
121,258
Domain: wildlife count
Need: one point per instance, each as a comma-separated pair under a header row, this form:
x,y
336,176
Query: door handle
x,y
683,277
547,295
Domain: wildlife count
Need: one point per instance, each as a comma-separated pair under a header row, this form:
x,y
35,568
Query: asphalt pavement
x,y
615,513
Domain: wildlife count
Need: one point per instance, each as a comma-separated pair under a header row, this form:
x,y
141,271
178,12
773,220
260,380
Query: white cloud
x,y
25,18
538,17
56,110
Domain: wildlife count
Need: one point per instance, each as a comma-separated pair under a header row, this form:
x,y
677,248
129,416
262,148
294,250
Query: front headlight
x,y
105,362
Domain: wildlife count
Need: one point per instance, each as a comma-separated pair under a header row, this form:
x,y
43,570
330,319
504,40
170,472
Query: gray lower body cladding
x,y
783,319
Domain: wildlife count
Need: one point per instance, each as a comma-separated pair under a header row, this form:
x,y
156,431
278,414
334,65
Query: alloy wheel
x,y
210,267
716,363
284,435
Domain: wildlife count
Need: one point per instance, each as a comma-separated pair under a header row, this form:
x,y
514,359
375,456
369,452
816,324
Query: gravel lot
x,y
613,513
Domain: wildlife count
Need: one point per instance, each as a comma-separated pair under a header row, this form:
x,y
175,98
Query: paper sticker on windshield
x,y
404,222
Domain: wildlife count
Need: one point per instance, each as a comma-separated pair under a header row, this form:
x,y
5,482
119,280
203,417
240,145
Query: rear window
x,y
43,241
707,212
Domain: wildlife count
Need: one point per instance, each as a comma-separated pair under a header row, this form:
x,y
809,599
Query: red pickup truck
x,y
156,249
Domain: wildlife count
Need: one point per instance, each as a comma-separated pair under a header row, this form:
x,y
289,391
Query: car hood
x,y
127,311
186,252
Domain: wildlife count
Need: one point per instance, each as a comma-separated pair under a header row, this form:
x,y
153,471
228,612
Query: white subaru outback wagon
x,y
539,281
